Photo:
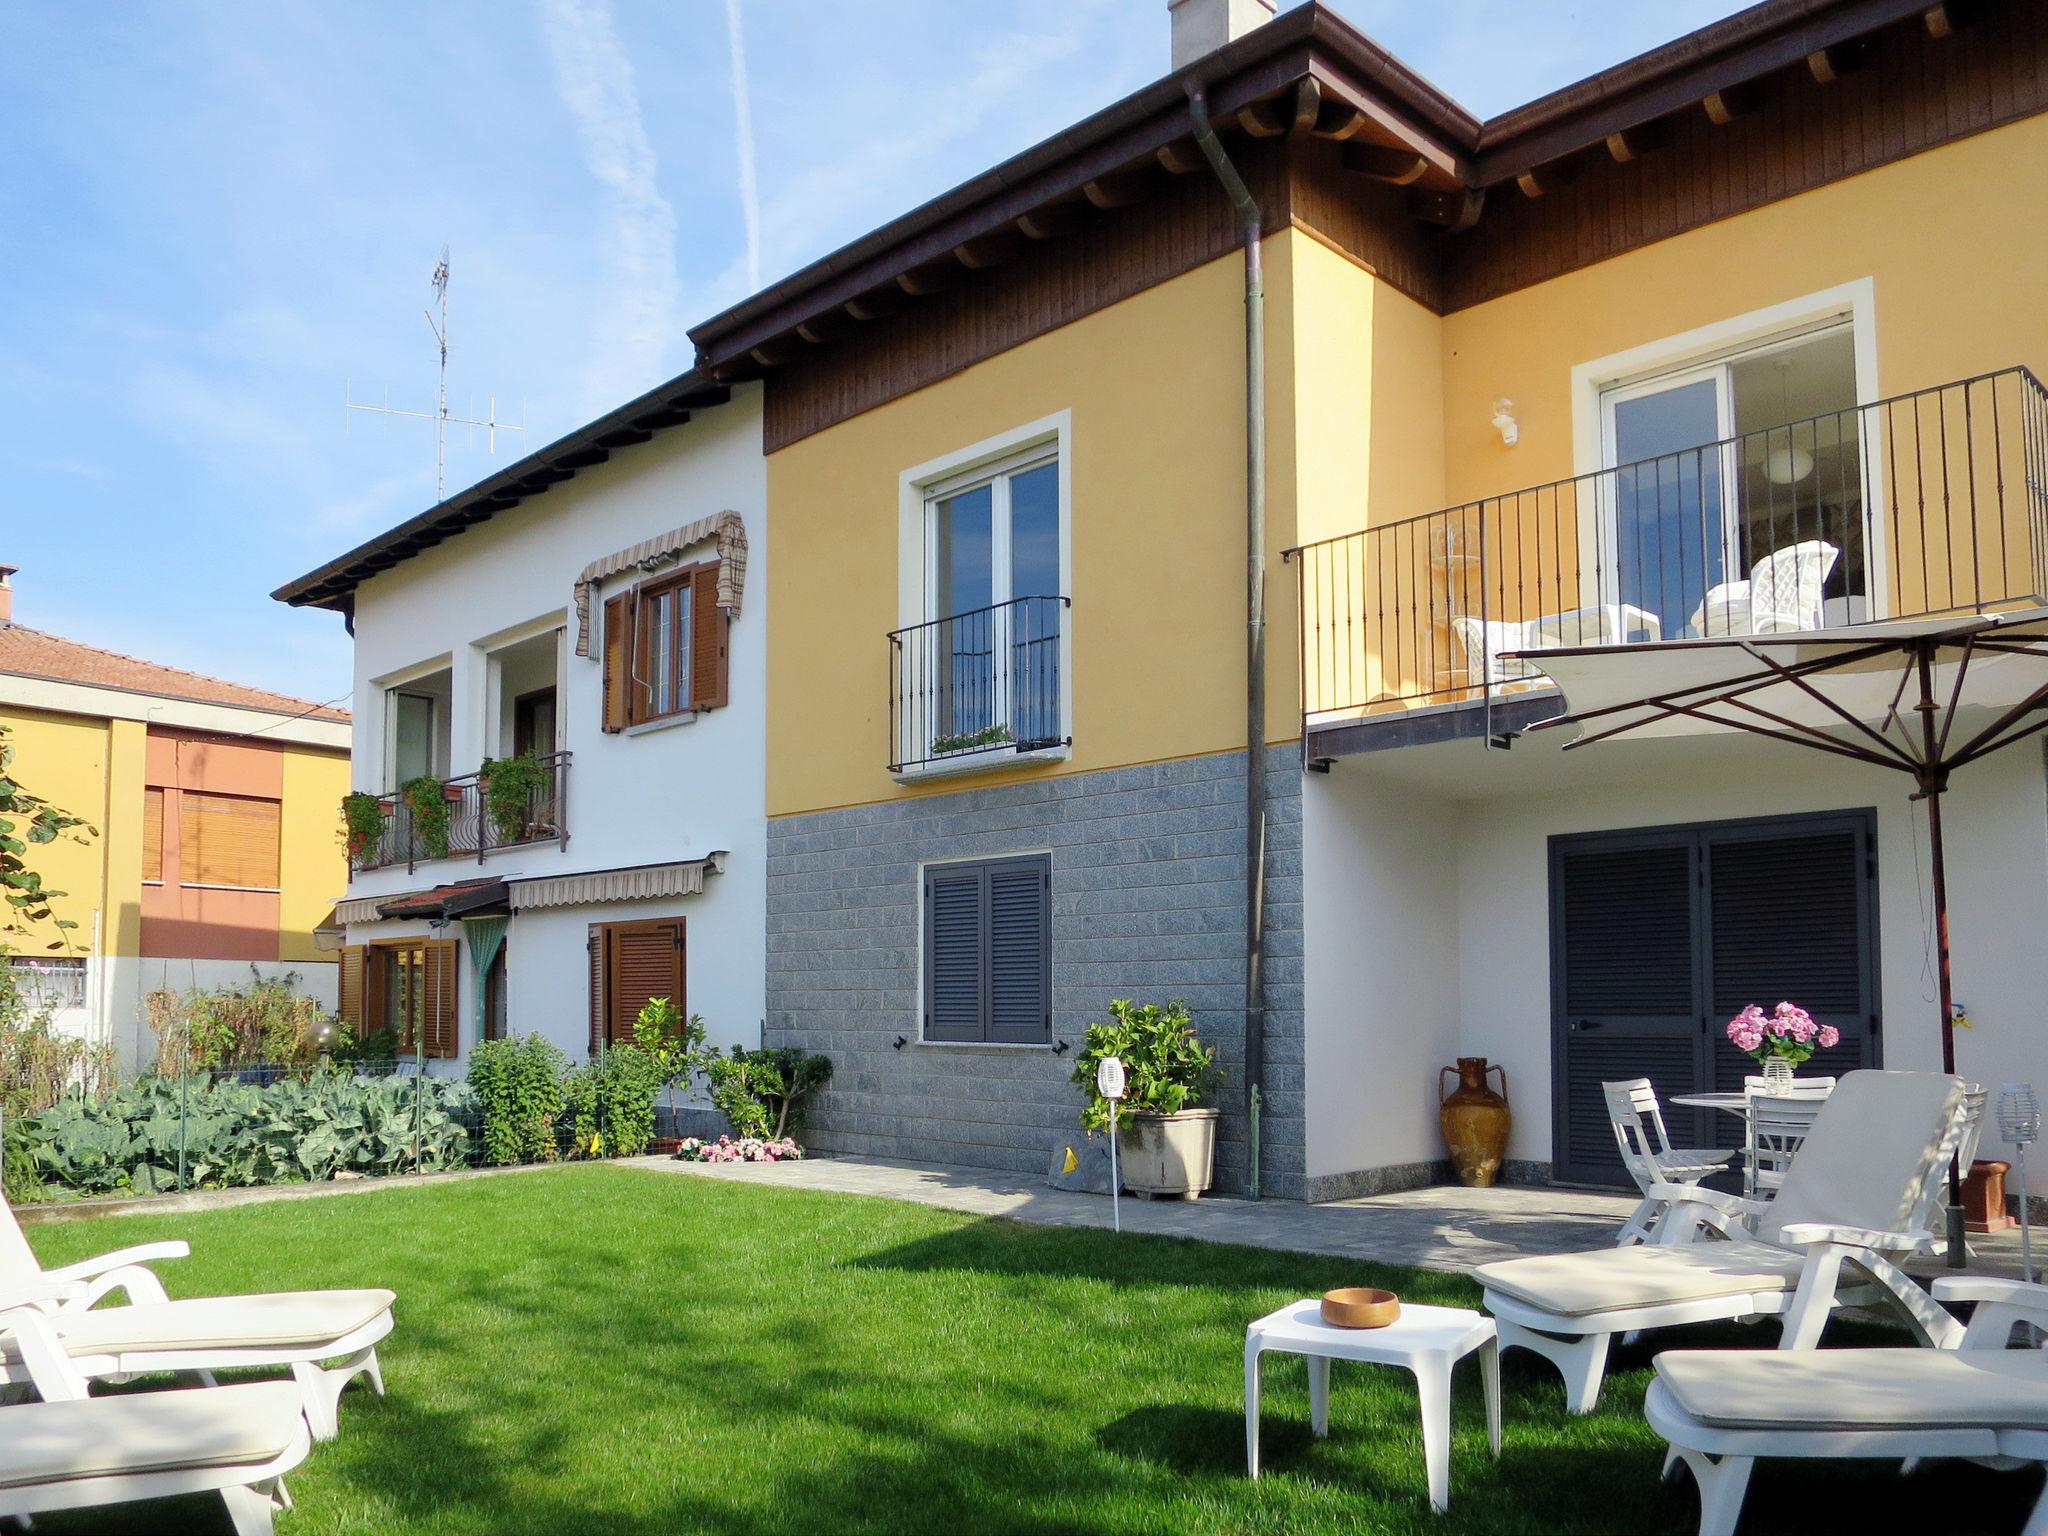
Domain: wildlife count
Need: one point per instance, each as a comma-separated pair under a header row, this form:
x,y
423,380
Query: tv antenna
x,y
439,415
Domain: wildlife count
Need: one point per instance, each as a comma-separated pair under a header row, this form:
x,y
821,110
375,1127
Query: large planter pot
x,y
1169,1154
1475,1120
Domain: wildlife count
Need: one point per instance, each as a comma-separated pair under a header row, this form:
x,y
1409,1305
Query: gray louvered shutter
x,y
956,977
1019,952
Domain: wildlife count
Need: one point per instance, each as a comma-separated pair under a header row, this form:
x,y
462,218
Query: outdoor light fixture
x,y
1504,422
1787,466
2019,1122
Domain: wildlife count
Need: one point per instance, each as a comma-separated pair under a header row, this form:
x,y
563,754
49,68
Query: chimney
x,y
1202,26
7,593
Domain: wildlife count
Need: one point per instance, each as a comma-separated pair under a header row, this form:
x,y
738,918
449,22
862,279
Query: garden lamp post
x,y
1109,1082
2019,1122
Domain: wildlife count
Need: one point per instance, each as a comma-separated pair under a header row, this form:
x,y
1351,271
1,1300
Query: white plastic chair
x,y
1647,1153
1783,594
1778,1123
1486,642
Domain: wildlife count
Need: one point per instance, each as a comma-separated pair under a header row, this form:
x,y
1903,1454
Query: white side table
x,y
1427,1341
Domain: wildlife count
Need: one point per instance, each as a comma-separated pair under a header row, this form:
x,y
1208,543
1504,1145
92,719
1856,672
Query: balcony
x,y
979,688
475,829
1927,503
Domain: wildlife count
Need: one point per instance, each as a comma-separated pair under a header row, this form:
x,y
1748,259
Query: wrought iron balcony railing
x,y
475,828
978,685
1925,503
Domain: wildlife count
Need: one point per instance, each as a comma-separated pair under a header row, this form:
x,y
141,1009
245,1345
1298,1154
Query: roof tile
x,y
26,652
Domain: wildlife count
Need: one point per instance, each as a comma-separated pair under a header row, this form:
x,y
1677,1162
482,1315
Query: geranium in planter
x,y
1781,1040
1166,1132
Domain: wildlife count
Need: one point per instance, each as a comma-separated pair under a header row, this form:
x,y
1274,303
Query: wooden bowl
x,y
1360,1307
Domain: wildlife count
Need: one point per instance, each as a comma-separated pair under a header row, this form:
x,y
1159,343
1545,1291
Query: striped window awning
x,y
640,883
651,554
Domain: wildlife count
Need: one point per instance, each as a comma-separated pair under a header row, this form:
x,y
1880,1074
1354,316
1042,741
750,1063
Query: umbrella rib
x,y
1976,746
1812,736
1971,753
1799,681
1955,698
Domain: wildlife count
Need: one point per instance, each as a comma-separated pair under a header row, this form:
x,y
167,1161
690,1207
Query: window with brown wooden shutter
x,y
629,964
409,988
153,835
708,626
350,1000
618,637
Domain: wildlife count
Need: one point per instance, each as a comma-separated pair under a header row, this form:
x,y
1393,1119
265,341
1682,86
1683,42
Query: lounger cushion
x,y
240,1426
1610,1279
289,1320
1880,1389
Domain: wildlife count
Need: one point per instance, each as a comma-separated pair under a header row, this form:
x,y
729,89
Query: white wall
x,y
1380,888
1504,807
662,794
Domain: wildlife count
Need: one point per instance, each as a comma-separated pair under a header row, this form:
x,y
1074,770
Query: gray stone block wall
x,y
1147,902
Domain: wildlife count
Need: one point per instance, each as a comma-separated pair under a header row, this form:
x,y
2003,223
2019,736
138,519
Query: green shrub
x,y
1166,1069
288,1131
518,1089
674,1044
375,1053
761,1093
611,1098
269,1022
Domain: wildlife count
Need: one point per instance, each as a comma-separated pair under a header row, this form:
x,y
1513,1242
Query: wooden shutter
x,y
618,640
596,959
439,1032
646,959
1019,952
152,834
228,840
350,990
708,632
955,972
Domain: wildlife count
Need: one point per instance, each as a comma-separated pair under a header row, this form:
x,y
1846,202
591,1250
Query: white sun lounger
x,y
71,1451
1724,1409
299,1329
1859,1191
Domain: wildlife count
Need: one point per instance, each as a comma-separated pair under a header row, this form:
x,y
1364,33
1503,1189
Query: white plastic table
x,y
1426,1341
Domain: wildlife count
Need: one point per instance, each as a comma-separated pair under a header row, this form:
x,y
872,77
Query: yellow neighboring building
x,y
1731,337
217,845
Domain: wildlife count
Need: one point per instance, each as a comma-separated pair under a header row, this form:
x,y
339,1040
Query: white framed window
x,y
981,661
1733,492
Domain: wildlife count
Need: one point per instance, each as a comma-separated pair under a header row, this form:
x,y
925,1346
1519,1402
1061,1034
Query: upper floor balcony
x,y
1926,503
514,803
980,688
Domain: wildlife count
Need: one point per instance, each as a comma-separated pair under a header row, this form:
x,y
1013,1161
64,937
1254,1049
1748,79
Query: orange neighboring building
x,y
217,847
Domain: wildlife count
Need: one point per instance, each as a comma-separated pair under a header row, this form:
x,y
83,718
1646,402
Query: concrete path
x,y
1446,1229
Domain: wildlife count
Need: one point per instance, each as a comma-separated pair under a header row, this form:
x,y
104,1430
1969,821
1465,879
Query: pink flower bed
x,y
747,1149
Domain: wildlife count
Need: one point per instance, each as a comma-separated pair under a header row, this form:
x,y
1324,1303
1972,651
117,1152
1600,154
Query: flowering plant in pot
x,y
1166,1134
1781,1040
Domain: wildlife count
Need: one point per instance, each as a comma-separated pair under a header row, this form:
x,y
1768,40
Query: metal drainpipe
x,y
1255,630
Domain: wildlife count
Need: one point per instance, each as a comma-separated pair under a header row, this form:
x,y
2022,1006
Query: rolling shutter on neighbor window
x,y
988,952
152,834
618,640
227,840
708,626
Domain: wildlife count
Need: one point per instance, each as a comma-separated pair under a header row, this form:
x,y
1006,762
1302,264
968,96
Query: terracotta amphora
x,y
1475,1121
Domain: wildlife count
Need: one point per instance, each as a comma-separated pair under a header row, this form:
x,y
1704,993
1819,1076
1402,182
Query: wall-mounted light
x,y
1504,422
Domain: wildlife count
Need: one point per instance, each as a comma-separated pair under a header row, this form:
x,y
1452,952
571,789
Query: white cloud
x,y
595,82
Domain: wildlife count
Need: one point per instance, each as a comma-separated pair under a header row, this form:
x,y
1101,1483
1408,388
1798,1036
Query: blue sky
x,y
214,217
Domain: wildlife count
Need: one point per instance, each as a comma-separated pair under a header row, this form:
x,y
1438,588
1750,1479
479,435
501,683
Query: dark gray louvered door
x,y
955,978
1019,952
1624,968
1790,912
1658,938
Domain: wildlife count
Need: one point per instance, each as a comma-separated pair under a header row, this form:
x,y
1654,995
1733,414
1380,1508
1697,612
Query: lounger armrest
x,y
1990,1288
35,1293
1807,1234
1694,1194
120,1258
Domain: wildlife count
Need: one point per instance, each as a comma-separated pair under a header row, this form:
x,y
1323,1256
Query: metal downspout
x,y
1255,630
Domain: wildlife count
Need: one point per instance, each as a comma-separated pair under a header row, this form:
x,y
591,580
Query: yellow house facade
x,y
212,848
1732,338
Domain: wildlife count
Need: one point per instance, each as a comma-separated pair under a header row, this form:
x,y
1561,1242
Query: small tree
x,y
674,1044
755,1088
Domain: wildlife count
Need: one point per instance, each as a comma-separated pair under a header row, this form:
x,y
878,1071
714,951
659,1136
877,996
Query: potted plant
x,y
510,787
1166,1135
426,799
972,741
1781,1040
362,820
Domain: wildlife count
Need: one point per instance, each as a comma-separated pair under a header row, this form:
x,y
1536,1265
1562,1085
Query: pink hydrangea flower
x,y
1794,1022
1830,1037
1747,1029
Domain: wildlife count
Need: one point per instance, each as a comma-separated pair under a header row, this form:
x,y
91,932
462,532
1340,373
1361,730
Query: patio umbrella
x,y
1924,697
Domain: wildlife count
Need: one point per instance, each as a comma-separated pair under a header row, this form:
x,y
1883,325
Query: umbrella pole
x,y
1934,779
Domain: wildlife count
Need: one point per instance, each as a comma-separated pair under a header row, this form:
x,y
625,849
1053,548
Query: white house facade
x,y
587,627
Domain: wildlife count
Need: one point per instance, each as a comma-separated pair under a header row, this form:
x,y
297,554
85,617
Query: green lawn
x,y
617,1350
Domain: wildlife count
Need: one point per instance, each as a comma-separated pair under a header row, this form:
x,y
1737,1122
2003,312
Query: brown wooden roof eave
x,y
332,585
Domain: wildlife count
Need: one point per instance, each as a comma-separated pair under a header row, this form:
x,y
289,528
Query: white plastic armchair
x,y
1647,1153
91,1280
1783,593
